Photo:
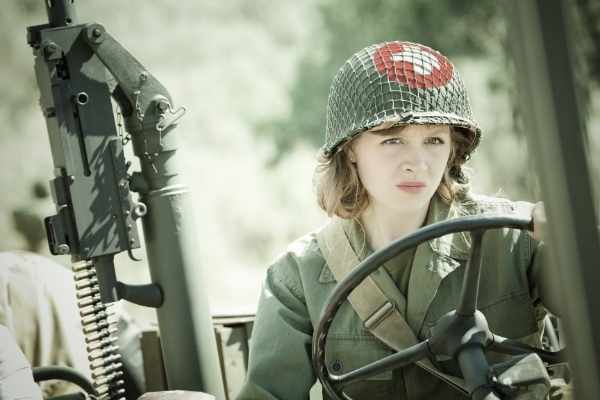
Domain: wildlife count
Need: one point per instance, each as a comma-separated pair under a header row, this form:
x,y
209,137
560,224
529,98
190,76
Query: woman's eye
x,y
392,141
434,140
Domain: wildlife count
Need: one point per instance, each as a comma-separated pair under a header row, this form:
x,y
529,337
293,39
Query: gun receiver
x,y
91,189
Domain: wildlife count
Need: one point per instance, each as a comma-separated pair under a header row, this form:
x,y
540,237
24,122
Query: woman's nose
x,y
415,162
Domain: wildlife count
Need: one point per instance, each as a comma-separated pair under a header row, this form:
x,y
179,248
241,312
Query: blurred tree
x,y
589,14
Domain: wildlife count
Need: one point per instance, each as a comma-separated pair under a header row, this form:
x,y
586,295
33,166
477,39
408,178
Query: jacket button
x,y
337,366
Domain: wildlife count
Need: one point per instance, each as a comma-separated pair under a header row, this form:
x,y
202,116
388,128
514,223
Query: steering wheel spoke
x,y
405,357
470,289
513,347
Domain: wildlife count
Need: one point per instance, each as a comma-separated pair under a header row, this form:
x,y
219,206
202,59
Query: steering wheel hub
x,y
454,331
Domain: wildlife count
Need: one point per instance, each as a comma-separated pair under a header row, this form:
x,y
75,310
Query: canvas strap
x,y
380,315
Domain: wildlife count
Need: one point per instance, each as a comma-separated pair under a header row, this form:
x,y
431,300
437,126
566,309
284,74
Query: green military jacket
x,y
299,282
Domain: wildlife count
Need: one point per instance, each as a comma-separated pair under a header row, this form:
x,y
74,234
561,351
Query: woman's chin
x,y
411,202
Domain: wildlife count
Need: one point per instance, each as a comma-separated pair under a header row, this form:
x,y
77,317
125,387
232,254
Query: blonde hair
x,y
340,191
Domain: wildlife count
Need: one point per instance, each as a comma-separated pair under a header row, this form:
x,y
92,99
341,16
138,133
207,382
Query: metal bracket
x,y
169,116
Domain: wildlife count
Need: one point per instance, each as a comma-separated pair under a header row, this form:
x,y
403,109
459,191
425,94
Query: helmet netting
x,y
395,83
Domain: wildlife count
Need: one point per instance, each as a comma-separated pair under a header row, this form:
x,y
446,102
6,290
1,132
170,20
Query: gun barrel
x,y
61,12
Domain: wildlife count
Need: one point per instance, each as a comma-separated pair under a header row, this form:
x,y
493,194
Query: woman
x,y
399,129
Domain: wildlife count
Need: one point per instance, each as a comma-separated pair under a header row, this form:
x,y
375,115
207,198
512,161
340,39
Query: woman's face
x,y
402,167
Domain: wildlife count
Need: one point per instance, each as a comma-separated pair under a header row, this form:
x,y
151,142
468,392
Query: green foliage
x,y
588,34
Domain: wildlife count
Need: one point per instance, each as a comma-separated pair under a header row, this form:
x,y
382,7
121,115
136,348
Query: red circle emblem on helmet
x,y
413,65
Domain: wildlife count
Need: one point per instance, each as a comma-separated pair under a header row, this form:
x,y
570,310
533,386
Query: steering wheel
x,y
63,373
462,334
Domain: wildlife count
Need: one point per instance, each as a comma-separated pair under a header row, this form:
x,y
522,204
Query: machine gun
x,y
96,213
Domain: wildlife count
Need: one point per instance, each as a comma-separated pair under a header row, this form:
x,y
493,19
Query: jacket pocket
x,y
512,316
345,354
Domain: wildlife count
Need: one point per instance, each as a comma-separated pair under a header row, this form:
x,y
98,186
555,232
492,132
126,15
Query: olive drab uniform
x,y
300,281
38,306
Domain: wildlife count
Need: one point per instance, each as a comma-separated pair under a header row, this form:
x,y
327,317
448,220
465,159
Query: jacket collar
x,y
434,261
457,245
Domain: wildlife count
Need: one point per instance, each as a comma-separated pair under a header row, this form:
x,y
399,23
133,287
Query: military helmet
x,y
396,83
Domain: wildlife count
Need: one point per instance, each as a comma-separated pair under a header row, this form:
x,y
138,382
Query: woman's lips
x,y
411,187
